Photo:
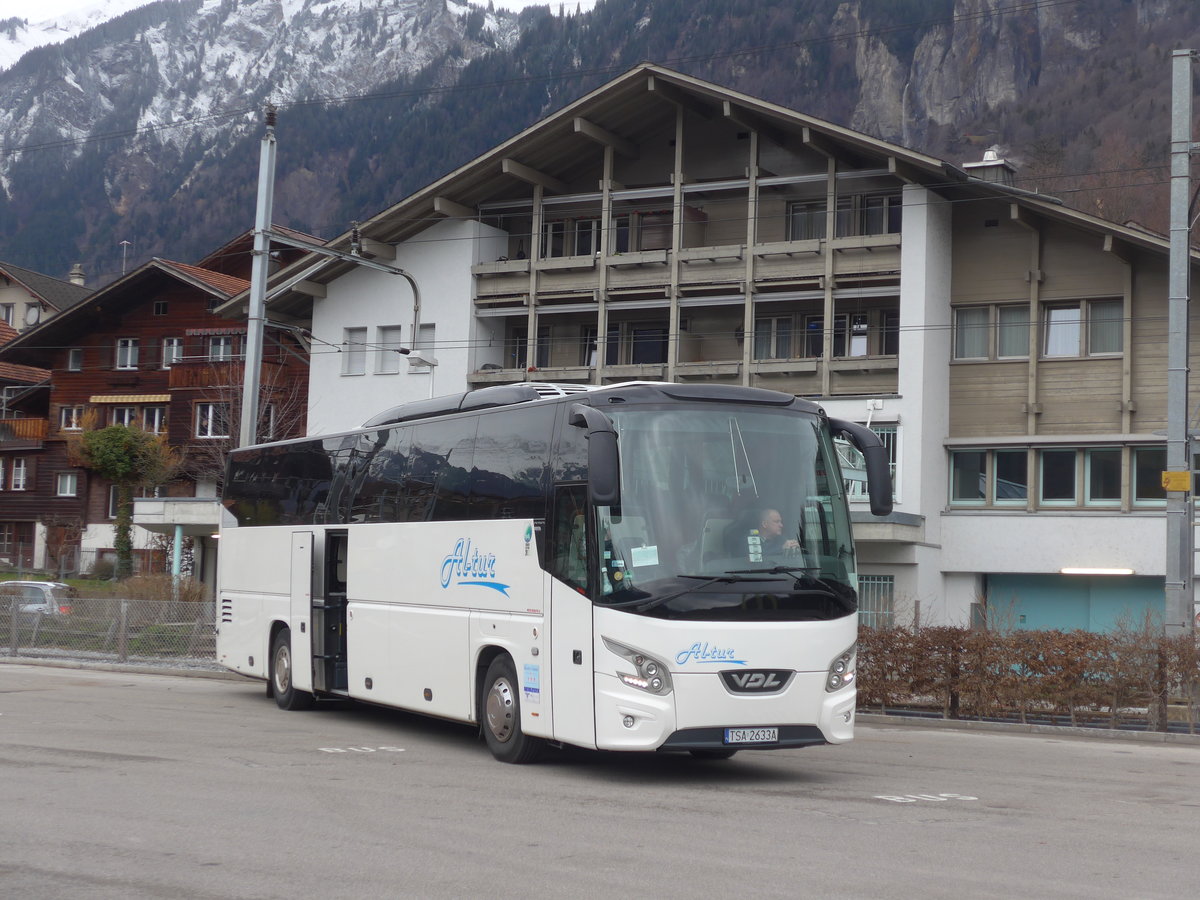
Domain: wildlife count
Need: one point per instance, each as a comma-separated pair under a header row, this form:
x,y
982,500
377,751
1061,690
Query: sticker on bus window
x,y
533,683
643,556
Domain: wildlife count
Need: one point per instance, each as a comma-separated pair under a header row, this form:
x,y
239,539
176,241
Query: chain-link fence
x,y
179,633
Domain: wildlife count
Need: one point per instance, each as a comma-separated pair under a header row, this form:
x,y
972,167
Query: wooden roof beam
x,y
818,142
606,138
674,95
533,176
747,119
444,206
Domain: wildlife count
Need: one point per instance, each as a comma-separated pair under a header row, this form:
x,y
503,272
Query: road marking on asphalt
x,y
917,798
361,749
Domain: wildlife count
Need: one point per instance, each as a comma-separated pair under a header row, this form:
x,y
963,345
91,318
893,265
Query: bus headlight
x,y
650,675
841,670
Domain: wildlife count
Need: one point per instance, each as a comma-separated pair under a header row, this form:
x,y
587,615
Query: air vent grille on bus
x,y
226,609
546,389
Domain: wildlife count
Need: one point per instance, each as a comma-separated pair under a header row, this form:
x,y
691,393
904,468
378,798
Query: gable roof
x,y
55,292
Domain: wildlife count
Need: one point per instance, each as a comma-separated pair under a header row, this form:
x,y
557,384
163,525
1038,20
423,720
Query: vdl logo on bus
x,y
467,567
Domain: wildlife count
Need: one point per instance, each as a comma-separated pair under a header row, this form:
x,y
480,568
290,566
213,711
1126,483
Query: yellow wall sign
x,y
1177,481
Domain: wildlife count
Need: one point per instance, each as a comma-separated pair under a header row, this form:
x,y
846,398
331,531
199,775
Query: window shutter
x,y
150,354
108,356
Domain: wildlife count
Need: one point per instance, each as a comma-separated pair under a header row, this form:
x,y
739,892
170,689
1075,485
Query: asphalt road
x,y
136,786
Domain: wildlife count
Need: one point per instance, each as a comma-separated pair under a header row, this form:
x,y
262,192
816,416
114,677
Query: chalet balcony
x,y
23,434
226,373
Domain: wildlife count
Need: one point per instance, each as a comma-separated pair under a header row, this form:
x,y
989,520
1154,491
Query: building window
x,y
6,313
868,214
806,221
70,418
75,359
212,420
220,348
387,355
127,353
154,419
1058,477
876,601
971,333
1012,331
354,351
773,338
1011,487
66,484
1089,328
968,476
1148,465
124,415
160,307
814,335
172,351
553,239
622,230
1102,477
519,348
587,345
587,237
991,332
20,472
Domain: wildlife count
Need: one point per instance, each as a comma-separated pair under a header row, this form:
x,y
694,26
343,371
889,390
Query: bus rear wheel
x,y
286,694
502,715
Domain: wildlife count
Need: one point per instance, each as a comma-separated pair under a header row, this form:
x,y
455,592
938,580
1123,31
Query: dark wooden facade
x,y
146,350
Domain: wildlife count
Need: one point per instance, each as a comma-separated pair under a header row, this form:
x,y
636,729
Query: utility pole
x,y
259,272
1177,480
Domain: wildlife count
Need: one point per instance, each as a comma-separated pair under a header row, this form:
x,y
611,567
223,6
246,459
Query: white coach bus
x,y
601,567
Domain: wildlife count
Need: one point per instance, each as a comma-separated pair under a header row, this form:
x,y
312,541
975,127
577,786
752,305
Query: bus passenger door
x,y
329,616
301,609
571,665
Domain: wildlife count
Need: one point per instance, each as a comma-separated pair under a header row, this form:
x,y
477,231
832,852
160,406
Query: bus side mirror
x,y
604,457
879,476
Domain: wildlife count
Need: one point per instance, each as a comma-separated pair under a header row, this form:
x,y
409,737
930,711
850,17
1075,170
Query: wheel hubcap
x,y
500,708
283,670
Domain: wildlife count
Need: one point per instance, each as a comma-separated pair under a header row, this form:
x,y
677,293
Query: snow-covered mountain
x,y
52,22
182,80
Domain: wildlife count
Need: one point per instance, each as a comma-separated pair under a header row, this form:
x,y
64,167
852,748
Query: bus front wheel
x,y
286,694
502,715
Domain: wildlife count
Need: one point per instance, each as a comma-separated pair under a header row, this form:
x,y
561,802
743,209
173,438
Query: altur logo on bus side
x,y
760,681
468,567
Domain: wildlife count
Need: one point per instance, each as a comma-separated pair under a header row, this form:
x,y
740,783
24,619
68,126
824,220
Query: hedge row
x,y
1127,676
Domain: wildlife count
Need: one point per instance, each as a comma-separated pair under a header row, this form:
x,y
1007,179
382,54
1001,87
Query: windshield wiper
x,y
802,573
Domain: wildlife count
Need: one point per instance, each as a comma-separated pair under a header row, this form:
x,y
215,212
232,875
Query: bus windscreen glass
x,y
734,514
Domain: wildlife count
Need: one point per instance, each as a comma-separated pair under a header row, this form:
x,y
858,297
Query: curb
x,y
121,667
1109,734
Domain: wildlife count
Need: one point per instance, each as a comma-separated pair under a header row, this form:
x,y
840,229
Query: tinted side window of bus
x,y
378,478
510,477
437,482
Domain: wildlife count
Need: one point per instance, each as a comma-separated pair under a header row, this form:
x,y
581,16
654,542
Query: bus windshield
x,y
726,513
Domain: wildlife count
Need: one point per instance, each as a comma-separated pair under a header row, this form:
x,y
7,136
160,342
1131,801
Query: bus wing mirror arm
x,y
879,477
604,458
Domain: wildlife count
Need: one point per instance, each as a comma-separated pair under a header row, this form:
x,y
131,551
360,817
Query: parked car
x,y
49,598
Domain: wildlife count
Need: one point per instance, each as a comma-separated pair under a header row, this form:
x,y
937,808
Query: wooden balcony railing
x,y
23,431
